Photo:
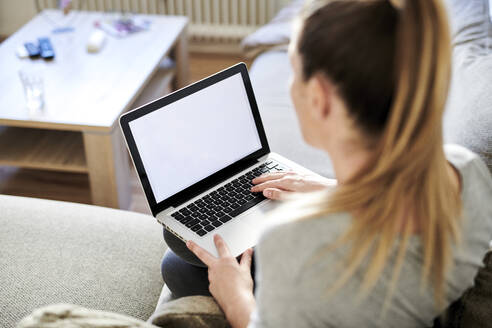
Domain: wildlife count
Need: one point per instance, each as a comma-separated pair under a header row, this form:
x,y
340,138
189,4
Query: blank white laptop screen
x,y
196,136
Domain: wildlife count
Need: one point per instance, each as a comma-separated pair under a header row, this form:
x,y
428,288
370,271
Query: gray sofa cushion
x,y
54,252
270,73
275,34
468,117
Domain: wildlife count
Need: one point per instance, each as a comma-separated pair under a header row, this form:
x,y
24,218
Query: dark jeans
x,y
183,272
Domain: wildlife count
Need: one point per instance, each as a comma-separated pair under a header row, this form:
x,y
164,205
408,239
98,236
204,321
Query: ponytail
x,y
393,74
412,144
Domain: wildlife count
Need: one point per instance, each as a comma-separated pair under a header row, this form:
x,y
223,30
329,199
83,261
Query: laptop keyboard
x,y
225,203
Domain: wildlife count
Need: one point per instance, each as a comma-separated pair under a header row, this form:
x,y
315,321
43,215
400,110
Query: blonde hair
x,y
409,166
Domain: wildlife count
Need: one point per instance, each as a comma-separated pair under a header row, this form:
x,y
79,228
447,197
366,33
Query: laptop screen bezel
x,y
215,178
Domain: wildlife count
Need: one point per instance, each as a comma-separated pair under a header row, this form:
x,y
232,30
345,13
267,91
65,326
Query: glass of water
x,y
32,82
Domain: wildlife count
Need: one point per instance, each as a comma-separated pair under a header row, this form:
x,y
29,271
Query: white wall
x,y
14,14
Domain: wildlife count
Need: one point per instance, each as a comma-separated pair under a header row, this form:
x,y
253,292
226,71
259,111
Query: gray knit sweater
x,y
291,293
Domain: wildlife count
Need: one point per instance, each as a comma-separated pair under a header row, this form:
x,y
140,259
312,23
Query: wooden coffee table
x,y
85,94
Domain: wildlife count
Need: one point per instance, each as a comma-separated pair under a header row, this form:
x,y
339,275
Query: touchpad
x,y
257,217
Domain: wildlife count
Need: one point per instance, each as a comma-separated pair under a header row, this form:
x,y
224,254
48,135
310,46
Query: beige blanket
x,y
73,316
189,312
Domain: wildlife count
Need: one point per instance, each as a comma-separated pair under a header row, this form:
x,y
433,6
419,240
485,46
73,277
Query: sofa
x,y
468,116
109,260
101,258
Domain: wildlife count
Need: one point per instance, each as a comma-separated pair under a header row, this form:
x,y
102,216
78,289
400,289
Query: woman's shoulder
x,y
476,193
467,162
476,190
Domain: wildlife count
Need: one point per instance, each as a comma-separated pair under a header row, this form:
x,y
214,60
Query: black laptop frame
x,y
214,179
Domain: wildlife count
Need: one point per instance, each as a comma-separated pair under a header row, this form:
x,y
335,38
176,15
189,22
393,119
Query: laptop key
x,y
224,219
227,209
185,211
209,228
258,195
240,209
216,223
201,232
192,223
186,220
196,227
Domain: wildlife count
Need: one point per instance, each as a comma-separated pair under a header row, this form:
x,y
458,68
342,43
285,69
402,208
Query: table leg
x,y
180,55
109,171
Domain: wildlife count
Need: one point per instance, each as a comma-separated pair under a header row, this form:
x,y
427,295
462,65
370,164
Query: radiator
x,y
222,20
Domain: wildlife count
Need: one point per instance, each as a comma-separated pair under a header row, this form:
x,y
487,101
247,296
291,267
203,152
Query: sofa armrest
x,y
59,252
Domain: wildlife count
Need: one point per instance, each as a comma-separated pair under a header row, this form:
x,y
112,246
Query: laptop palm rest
x,y
238,236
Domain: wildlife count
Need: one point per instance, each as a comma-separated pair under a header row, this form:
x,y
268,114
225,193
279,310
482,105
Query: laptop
x,y
196,151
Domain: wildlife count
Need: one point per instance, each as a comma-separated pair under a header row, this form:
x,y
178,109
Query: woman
x,y
404,231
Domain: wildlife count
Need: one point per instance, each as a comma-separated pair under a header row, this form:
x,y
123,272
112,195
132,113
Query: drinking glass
x,y
32,82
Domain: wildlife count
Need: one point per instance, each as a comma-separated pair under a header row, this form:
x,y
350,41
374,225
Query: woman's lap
x,y
183,273
182,278
179,248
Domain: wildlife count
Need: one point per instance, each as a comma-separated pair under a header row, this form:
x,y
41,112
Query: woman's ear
x,y
319,92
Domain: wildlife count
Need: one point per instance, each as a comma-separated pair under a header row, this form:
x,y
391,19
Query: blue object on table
x,y
64,29
46,48
32,49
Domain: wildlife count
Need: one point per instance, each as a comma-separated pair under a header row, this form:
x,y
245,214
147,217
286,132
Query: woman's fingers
x,y
221,245
270,176
202,254
281,183
275,193
246,258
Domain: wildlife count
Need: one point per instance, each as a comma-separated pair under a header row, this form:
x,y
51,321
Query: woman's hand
x,y
231,283
280,184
